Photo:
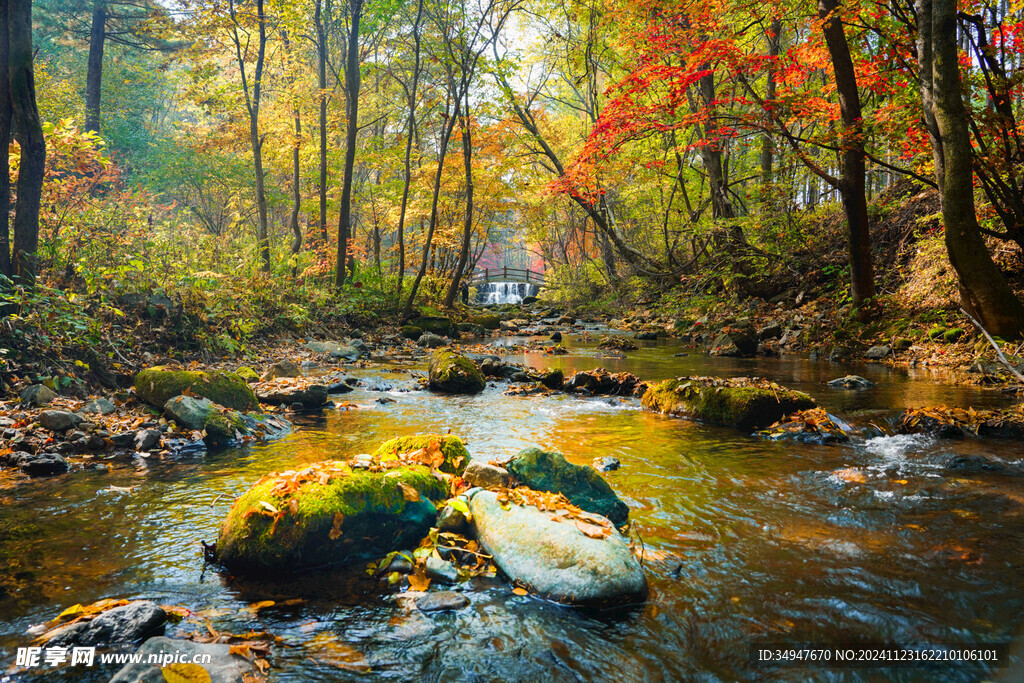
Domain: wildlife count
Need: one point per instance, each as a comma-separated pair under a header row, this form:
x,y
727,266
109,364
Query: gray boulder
x,y
431,341
223,667
485,475
555,558
877,352
58,420
285,368
147,439
442,600
334,349
124,624
100,406
582,485
37,395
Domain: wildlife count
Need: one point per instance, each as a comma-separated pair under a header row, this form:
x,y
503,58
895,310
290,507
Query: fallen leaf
x,y
257,606
267,506
520,591
419,581
339,519
593,530
408,492
185,673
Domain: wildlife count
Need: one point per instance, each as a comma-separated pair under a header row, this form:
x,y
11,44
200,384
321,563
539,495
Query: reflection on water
x,y
744,540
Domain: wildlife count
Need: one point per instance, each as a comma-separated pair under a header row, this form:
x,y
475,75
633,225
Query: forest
x,y
722,300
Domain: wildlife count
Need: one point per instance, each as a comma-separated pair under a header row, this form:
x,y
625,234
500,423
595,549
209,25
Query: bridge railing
x,y
483,275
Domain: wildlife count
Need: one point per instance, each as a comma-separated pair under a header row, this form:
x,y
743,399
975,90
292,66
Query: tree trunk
x,y
5,138
985,292
352,84
467,226
852,187
29,133
408,147
767,146
94,75
293,221
446,136
321,72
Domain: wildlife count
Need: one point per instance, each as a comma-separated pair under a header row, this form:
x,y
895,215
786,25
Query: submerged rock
x,y
554,558
328,513
453,373
444,452
124,624
158,385
851,382
223,667
283,392
980,464
739,402
441,600
582,485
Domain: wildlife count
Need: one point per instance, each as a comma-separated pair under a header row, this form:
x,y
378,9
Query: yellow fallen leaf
x,y
408,492
520,591
419,581
185,673
335,533
592,530
267,506
257,606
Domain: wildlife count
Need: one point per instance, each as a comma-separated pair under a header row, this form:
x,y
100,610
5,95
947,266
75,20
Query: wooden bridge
x,y
483,275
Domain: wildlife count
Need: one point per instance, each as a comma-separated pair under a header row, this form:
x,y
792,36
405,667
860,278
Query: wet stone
x,y
441,571
146,439
485,475
127,623
223,667
442,600
606,464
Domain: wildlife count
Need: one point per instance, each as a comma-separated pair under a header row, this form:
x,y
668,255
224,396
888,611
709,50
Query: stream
x,y
745,540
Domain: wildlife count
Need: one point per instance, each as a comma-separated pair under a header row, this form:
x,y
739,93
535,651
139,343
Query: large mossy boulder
x,y
581,484
328,513
436,325
738,402
435,446
453,373
559,557
158,385
488,322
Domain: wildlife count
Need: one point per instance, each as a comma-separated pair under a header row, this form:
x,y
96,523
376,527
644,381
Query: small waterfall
x,y
504,292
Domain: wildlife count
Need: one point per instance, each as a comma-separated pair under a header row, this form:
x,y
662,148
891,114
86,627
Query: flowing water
x,y
745,540
493,293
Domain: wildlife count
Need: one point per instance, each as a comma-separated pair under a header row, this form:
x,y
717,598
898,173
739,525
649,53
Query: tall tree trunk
x,y
852,187
29,133
94,75
467,226
446,136
408,146
252,103
296,187
352,84
5,139
767,146
321,73
983,289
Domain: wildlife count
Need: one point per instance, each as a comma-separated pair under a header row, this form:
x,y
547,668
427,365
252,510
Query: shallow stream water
x,y
745,540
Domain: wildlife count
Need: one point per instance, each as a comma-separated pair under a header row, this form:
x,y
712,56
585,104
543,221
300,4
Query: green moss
x,y
456,457
435,324
453,373
157,385
553,379
953,335
488,322
247,373
745,407
377,519
936,332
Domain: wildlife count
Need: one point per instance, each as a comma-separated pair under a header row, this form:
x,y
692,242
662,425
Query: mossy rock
x,y
936,332
412,332
488,322
375,519
247,373
456,457
470,328
553,379
745,407
581,484
953,335
436,325
158,385
902,344
453,373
